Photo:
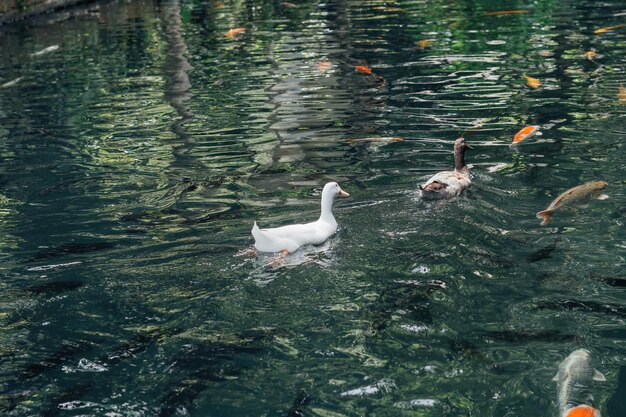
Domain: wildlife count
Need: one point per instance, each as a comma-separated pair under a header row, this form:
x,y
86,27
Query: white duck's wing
x,y
291,237
288,232
265,241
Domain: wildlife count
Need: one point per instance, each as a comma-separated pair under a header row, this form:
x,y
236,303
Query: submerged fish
x,y
621,93
606,29
375,139
11,83
389,9
574,380
526,133
590,54
532,82
501,12
234,32
324,66
45,50
572,196
423,43
363,69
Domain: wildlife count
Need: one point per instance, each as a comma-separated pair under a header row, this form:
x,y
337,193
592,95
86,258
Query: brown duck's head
x,y
600,184
461,144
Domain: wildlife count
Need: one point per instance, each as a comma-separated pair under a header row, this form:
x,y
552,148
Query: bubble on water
x,y
89,366
415,328
453,373
384,385
421,402
422,269
76,405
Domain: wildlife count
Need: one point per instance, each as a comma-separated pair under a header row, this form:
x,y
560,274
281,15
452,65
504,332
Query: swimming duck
x,y
447,184
287,239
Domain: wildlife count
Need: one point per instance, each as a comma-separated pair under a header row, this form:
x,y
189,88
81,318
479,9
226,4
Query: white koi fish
x,y
47,50
574,381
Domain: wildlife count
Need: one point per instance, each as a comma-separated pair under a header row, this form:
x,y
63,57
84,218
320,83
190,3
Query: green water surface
x,y
135,157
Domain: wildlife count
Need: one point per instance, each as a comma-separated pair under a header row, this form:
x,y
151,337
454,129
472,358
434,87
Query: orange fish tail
x,y
545,216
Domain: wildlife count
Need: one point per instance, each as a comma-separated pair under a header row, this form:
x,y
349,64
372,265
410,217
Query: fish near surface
x,y
583,411
606,29
503,12
234,32
526,133
621,93
532,82
363,69
573,196
47,50
574,380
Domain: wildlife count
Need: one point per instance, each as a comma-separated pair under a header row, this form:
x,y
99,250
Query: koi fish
x,y
47,50
324,66
621,94
572,196
12,82
526,133
590,54
363,69
574,379
532,82
423,43
504,12
389,9
234,32
606,29
583,411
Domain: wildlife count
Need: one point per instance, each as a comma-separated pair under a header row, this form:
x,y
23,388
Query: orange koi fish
x,y
606,29
526,133
234,32
582,411
324,66
504,12
363,69
621,94
590,54
532,82
423,43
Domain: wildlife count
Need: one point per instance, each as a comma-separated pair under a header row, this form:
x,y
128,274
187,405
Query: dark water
x,y
136,156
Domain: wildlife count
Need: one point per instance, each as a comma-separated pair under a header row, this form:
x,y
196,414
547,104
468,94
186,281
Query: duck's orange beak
x,y
342,193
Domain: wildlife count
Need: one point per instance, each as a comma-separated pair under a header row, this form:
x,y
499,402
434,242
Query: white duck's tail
x,y
260,239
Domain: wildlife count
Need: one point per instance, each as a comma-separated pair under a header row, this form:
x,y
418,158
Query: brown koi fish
x,y
572,196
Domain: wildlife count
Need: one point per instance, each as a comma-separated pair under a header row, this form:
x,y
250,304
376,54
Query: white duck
x,y
289,238
447,184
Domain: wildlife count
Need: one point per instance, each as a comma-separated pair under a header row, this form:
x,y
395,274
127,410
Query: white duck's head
x,y
330,191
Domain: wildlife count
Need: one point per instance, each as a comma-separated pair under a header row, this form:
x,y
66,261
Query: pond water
x,y
137,154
